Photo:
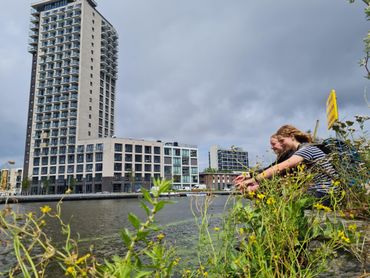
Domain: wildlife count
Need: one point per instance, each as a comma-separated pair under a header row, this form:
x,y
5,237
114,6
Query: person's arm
x,y
293,161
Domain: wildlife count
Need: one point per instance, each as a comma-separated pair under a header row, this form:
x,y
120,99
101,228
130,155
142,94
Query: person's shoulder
x,y
310,149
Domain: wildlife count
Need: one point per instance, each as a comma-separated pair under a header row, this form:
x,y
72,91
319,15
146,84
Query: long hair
x,y
289,130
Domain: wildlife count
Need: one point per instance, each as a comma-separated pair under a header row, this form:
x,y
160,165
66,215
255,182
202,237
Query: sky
x,y
209,72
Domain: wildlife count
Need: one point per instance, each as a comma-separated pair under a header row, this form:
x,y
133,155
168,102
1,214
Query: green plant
x,y
147,254
275,235
153,258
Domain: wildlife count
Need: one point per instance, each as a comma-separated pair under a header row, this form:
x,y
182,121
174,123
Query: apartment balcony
x,y
74,88
34,19
34,11
74,72
75,55
74,80
33,34
74,97
66,73
64,98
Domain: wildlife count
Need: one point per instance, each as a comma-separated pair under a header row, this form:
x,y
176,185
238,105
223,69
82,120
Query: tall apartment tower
x,y
73,83
233,159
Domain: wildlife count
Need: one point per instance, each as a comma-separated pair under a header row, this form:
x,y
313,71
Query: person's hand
x,y
239,180
252,187
248,185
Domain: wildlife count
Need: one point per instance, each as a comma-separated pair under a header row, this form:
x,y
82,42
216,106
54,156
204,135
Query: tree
x,y
72,184
210,170
26,185
46,184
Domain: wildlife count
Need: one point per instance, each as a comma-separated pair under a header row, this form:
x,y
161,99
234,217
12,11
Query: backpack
x,y
344,157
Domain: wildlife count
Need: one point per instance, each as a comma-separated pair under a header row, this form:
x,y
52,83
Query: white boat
x,y
196,194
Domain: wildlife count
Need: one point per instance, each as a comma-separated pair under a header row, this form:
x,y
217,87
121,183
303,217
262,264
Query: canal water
x,y
98,223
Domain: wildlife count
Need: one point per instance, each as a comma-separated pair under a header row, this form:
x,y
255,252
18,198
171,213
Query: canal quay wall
x,y
95,196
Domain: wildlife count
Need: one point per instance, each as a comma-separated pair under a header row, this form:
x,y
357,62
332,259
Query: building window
x,y
117,157
167,151
98,167
89,168
61,169
138,158
99,157
157,150
148,149
89,157
118,147
138,149
80,168
157,159
117,166
138,167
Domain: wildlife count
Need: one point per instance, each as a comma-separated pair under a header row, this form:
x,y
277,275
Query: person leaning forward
x,y
293,139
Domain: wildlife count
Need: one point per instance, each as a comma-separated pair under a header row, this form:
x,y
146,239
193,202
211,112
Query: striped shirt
x,y
318,163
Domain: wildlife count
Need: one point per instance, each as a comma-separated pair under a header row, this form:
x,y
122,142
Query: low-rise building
x,y
116,165
217,180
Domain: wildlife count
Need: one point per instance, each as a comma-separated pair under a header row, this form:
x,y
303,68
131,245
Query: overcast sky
x,y
209,72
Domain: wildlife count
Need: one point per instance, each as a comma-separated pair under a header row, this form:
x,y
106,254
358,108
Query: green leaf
x,y
126,237
135,221
142,235
144,274
145,207
146,195
160,205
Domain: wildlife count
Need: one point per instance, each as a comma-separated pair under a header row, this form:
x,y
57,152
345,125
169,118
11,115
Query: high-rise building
x,y
70,126
233,159
73,82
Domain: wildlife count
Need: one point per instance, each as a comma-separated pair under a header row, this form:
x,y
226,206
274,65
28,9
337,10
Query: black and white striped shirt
x,y
318,163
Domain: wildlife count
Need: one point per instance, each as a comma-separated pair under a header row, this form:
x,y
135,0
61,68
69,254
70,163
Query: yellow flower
x,y
336,183
322,207
251,194
160,236
176,261
45,209
70,270
270,201
68,191
216,229
205,274
241,231
252,239
343,237
260,196
352,227
42,222
82,259
30,214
